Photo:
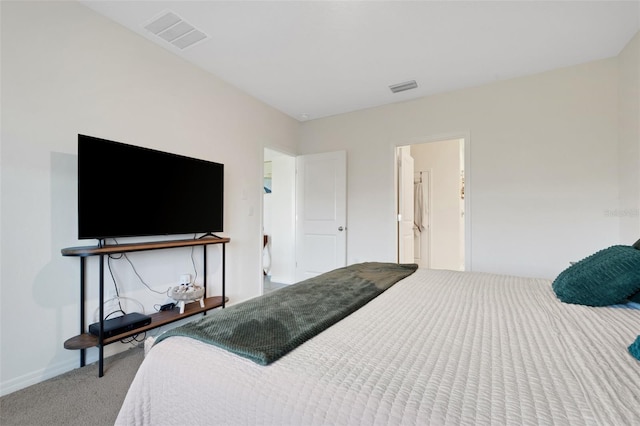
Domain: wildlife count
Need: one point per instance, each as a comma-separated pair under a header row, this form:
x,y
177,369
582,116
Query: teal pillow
x,y
608,277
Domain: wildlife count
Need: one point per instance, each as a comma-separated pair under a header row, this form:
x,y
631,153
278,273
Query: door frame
x,y
468,192
289,153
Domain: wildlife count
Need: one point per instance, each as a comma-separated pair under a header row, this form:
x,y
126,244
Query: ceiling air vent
x,y
175,30
401,87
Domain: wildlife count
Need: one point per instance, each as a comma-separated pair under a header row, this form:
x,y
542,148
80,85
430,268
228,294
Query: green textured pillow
x,y
608,277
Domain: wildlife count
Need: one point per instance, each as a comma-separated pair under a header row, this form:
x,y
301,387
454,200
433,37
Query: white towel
x,y
418,206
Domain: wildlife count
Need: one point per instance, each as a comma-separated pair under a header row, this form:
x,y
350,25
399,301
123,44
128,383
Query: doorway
x,y
304,216
278,220
431,191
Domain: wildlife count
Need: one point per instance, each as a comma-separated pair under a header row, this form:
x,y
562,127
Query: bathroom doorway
x,y
431,196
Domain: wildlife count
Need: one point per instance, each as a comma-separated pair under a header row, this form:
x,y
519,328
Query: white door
x,y
321,213
405,206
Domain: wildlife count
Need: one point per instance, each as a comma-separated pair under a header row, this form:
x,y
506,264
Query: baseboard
x,y
51,371
54,370
37,376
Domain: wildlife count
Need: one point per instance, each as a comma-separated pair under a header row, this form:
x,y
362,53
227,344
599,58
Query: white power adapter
x,y
185,279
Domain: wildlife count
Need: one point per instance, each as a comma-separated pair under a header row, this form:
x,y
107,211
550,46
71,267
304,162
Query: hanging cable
x,y
135,271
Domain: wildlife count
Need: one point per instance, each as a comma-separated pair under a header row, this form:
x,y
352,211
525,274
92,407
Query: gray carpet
x,y
77,397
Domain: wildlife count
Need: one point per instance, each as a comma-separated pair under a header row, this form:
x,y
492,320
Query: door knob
x,y
341,229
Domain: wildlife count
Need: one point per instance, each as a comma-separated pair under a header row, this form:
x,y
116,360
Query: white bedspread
x,y
438,348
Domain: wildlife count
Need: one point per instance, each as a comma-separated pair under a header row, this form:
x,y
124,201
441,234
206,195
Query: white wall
x,y
629,146
283,222
442,158
543,166
67,70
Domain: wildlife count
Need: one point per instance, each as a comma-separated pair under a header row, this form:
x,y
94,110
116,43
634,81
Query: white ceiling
x,y
312,59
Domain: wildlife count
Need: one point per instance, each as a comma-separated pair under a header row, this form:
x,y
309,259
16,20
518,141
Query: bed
x,y
437,348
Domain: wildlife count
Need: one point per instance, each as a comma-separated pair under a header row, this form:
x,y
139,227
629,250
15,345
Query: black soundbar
x,y
119,325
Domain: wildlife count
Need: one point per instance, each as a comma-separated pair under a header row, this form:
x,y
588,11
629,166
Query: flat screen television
x,y
126,191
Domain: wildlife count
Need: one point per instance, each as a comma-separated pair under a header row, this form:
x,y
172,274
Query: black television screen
x,y
125,191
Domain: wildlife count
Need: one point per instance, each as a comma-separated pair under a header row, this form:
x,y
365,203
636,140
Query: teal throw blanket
x,y
265,328
634,349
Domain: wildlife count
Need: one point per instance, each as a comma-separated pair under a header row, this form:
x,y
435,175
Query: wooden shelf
x,y
130,247
87,340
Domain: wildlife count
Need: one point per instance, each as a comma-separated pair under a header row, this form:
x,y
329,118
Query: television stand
x,y
86,340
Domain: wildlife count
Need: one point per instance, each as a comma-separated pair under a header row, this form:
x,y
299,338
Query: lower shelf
x,y
87,340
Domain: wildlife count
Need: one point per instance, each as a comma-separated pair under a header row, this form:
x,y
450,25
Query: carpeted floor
x,y
77,397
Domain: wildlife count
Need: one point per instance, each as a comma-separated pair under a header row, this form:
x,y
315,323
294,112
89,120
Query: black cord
x,y
115,312
134,338
115,285
137,274
124,255
139,277
193,262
